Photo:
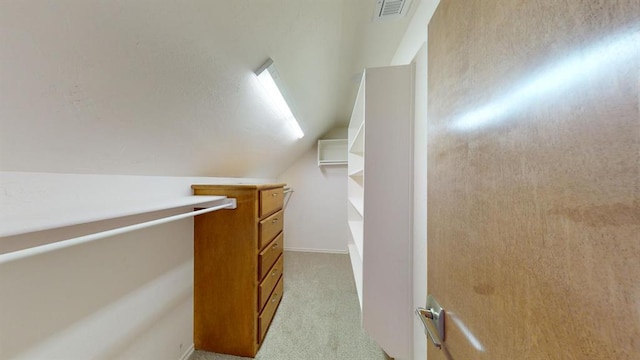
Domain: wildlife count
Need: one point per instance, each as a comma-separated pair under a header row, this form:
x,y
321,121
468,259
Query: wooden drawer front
x,y
270,227
270,200
269,255
269,310
269,282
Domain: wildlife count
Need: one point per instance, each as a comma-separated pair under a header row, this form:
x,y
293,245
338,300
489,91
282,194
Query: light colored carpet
x,y
319,316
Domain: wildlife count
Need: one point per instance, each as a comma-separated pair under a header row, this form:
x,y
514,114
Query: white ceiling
x,y
167,87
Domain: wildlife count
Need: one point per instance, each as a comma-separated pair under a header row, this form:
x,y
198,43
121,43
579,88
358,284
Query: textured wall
x,y
167,88
316,215
161,89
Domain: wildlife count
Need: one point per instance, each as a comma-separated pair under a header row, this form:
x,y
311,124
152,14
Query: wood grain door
x,y
534,178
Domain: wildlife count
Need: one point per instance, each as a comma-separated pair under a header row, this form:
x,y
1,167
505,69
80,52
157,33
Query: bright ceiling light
x,y
268,77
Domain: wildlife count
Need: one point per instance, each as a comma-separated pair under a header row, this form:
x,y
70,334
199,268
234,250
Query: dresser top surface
x,y
196,187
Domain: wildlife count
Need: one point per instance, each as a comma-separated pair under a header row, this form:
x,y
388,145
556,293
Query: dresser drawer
x,y
269,228
269,255
269,310
270,200
269,282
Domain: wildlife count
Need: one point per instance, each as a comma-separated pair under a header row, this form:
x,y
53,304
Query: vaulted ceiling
x,y
167,87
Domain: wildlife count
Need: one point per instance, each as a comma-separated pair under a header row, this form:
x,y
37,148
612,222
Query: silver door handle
x,y
433,320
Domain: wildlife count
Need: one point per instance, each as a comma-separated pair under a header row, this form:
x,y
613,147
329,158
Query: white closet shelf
x,y
357,173
356,263
357,232
332,162
332,152
57,245
383,107
357,146
357,204
86,212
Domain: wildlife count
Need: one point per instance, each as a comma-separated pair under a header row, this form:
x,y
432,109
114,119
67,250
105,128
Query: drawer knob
x,y
274,194
274,221
274,272
275,297
274,246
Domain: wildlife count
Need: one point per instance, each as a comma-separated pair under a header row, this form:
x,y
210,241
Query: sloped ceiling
x,y
167,87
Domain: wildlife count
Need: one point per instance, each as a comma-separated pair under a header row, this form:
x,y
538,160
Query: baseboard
x,y
325,251
187,354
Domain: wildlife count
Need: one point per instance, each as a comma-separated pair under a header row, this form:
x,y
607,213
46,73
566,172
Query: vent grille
x,y
390,9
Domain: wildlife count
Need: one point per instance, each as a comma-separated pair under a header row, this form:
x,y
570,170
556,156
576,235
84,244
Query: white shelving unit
x,y
355,189
380,206
332,152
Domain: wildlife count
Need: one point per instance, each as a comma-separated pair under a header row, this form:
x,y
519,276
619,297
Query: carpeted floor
x,y
319,316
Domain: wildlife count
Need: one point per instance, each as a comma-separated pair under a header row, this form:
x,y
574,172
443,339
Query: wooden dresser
x,y
238,266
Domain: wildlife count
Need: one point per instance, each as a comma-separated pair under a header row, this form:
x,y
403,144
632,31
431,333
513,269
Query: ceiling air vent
x,y
390,9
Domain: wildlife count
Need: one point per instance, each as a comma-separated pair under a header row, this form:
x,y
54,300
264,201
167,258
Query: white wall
x,y
123,297
103,300
316,215
413,47
164,87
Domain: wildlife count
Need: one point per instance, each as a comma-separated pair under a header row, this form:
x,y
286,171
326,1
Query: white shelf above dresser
x,y
332,152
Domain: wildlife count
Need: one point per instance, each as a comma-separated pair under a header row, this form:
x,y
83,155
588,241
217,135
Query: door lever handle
x,y
426,315
433,320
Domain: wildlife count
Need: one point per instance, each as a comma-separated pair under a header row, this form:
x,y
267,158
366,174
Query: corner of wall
x,y
315,215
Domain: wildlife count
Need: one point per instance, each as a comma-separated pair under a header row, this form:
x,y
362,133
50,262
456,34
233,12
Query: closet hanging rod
x,y
229,203
288,191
